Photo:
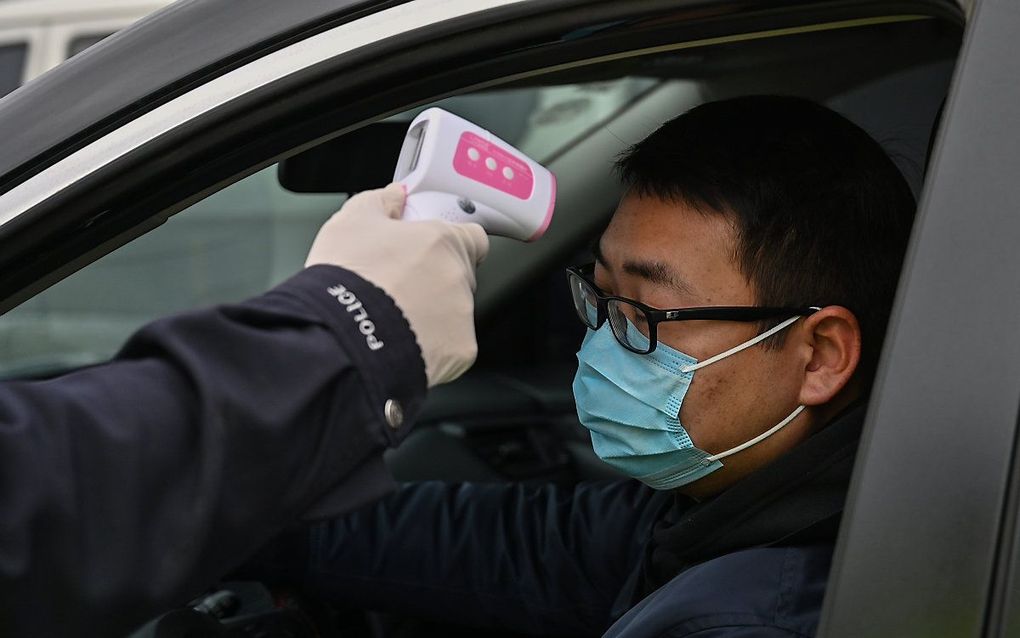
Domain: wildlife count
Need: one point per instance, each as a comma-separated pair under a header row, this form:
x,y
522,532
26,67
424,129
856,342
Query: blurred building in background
x,y
36,35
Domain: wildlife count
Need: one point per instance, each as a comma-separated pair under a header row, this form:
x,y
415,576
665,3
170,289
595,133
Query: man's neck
x,y
819,416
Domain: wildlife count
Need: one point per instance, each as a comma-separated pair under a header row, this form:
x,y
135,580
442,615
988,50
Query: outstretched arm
x,y
525,558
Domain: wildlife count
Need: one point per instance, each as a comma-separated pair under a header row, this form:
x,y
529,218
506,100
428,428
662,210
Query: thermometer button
x,y
473,154
490,163
508,172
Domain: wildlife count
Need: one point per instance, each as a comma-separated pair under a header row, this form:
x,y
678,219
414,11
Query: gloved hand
x,y
427,267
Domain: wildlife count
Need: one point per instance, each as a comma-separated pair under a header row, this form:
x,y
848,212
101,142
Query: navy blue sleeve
x,y
527,558
130,486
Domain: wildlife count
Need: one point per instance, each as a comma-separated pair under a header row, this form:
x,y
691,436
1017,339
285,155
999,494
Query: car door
x,y
167,134
201,97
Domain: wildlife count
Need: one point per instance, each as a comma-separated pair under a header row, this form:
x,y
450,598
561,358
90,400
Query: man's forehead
x,y
662,272
667,243
657,225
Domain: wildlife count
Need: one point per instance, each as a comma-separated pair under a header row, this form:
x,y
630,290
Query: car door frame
x,y
932,509
92,216
56,233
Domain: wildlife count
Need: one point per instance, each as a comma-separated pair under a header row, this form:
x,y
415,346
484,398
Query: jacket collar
x,y
796,500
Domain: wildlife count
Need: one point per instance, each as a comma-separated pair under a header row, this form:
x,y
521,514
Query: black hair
x,y
822,214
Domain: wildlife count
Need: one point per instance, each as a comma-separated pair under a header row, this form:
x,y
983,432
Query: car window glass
x,y
12,66
249,237
83,42
254,234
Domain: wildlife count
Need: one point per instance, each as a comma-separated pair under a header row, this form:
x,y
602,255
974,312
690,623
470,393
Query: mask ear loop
x,y
761,437
747,344
734,350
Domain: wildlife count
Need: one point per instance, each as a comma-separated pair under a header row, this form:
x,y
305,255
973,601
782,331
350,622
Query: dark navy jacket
x,y
766,592
128,487
610,557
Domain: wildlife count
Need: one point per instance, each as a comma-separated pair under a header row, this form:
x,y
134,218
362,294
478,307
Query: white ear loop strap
x,y
761,437
734,350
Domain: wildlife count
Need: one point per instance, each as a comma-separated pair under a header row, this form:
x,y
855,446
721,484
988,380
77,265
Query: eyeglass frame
x,y
655,316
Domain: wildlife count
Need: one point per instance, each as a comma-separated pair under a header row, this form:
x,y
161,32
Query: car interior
x,y
511,418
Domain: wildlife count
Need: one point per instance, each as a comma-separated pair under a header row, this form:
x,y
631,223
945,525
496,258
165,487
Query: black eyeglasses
x,y
635,325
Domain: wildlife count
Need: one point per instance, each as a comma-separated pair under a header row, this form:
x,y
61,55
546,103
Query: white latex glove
x,y
427,267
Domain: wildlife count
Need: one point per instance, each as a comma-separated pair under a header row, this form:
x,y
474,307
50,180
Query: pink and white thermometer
x,y
459,172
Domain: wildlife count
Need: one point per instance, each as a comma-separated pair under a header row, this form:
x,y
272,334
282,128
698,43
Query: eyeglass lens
x,y
585,302
628,322
630,325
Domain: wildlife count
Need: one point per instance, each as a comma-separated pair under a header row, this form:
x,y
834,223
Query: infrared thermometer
x,y
458,172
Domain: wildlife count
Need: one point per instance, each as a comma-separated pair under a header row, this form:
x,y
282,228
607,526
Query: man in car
x,y
736,310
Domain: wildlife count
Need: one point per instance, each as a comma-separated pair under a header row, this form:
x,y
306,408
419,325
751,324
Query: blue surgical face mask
x,y
631,404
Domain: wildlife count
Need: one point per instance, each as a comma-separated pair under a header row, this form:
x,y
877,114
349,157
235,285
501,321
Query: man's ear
x,y
832,341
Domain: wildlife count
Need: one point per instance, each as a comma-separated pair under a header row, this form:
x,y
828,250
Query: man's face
x,y
668,255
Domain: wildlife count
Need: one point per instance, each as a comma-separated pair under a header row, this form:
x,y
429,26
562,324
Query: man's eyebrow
x,y
654,271
659,273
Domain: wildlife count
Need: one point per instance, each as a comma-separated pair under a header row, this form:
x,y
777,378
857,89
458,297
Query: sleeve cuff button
x,y
394,414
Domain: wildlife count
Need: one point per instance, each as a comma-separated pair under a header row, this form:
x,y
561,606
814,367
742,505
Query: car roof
x,y
181,45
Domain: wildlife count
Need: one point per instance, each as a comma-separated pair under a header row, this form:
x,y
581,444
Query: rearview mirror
x,y
357,161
